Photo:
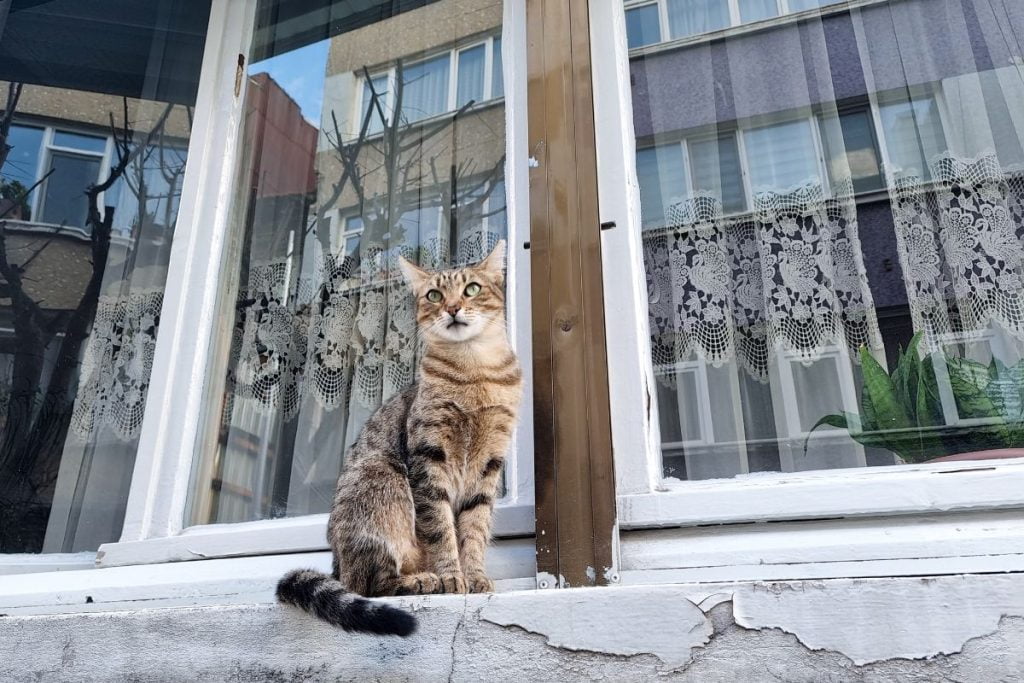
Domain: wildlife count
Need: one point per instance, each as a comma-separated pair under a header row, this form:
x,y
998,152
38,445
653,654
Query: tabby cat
x,y
412,512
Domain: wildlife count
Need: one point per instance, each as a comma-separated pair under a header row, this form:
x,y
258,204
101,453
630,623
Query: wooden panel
x,y
572,427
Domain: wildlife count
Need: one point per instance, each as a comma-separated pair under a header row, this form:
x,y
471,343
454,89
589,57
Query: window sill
x,y
288,535
228,581
870,491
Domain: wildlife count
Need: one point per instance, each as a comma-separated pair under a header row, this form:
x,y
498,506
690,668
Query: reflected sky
x,y
301,74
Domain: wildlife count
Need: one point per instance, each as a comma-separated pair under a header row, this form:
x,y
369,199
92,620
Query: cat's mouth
x,y
455,322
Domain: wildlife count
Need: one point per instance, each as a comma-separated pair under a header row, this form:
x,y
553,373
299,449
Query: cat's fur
x,y
412,512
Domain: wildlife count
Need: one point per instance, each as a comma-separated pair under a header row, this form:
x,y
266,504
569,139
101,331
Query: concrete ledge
x,y
910,629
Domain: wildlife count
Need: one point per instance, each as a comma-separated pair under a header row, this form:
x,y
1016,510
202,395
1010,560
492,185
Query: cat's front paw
x,y
452,582
478,582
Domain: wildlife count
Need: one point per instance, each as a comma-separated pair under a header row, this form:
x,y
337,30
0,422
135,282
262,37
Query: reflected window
x,y
643,25
100,129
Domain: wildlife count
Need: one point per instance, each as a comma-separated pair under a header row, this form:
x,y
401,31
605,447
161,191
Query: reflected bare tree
x,y
41,395
396,164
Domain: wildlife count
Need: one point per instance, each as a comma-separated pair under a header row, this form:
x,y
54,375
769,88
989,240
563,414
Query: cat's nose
x,y
453,310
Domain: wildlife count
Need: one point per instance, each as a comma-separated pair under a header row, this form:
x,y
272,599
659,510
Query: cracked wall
x,y
950,628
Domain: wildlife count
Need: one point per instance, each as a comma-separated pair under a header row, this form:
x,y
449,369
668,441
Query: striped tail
x,y
327,599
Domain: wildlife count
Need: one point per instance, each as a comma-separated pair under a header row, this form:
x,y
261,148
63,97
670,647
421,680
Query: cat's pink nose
x,y
453,310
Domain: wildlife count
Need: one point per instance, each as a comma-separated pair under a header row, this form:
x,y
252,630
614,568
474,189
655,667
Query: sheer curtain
x,y
426,89
755,10
690,17
471,75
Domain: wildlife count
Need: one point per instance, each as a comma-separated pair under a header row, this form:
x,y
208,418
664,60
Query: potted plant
x,y
902,411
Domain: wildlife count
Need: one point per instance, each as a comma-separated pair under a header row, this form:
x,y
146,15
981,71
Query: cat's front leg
x,y
474,528
435,519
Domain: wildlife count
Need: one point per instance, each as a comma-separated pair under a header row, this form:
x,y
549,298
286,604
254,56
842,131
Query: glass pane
x,y
643,26
716,170
85,143
497,71
690,17
913,135
426,89
319,328
880,241
663,181
19,172
850,145
781,157
64,202
755,10
800,5
471,75
87,252
376,101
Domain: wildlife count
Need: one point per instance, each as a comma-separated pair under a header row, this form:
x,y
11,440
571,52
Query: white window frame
x,y
154,528
454,53
943,495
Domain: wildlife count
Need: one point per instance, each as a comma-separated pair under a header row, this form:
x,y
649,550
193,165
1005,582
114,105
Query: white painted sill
x,y
864,492
227,581
268,536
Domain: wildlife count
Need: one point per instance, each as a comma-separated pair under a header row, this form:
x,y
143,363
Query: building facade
x,y
765,273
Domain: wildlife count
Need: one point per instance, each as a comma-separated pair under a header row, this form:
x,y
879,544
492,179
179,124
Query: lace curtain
x,y
117,362
346,334
961,246
789,276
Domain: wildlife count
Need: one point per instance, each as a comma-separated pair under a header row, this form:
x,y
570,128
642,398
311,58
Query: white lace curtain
x,y
789,276
347,334
961,246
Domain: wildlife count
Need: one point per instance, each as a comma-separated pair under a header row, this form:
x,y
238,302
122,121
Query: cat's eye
x,y
434,296
472,289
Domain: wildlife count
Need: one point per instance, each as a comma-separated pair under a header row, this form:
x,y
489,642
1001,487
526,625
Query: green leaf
x,y
888,412
838,421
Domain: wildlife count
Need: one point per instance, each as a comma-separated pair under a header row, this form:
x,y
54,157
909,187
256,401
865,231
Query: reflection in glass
x,y
832,236
90,181
319,326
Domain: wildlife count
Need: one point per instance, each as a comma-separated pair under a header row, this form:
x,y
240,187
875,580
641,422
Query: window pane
x,y
85,143
781,157
19,172
716,170
800,5
426,89
663,181
690,17
850,149
320,328
643,26
471,75
80,307
835,276
497,71
913,135
376,104
755,10
64,201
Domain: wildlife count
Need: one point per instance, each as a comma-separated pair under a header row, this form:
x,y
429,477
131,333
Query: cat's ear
x,y
414,275
494,263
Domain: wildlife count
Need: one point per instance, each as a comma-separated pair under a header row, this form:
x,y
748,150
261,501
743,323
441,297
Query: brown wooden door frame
x,y
575,476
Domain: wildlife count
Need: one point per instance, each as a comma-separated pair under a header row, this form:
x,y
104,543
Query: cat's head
x,y
459,305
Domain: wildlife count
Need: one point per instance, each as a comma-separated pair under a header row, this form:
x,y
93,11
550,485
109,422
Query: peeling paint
x,y
867,621
625,621
591,574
